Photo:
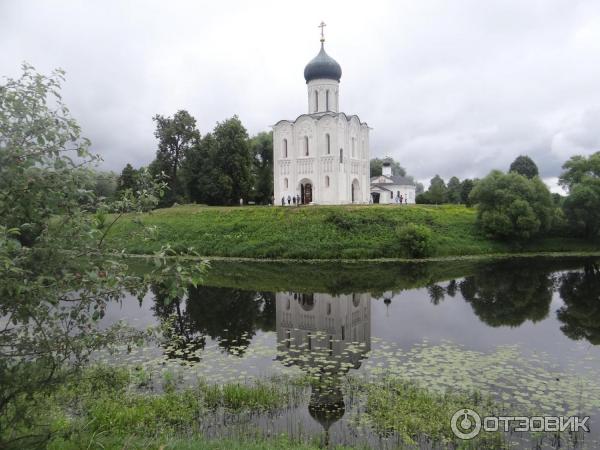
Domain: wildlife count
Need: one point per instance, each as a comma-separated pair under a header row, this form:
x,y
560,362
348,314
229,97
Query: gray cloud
x,y
455,88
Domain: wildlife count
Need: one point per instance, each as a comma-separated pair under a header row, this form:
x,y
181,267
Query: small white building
x,y
388,188
321,157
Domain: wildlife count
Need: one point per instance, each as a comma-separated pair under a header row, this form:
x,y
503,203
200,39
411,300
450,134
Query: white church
x,y
323,156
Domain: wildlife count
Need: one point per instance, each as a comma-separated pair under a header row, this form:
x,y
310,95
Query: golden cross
x,y
321,26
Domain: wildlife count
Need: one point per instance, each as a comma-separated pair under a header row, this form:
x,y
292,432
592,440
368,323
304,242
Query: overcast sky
x,y
449,87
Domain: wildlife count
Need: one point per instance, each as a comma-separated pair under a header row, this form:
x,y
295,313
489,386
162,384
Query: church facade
x,y
321,157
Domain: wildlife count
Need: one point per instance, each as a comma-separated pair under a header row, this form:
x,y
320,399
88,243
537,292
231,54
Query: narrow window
x,y
316,101
330,345
353,148
327,185
343,333
341,155
328,143
328,308
288,340
305,145
327,100
285,152
392,194
309,338
285,183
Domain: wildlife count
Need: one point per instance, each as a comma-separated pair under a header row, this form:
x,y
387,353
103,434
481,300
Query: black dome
x,y
322,66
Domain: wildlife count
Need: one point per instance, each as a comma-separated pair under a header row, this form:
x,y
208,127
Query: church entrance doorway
x,y
306,192
355,192
375,196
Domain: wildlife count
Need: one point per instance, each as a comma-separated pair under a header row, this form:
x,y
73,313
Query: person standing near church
x,y
294,200
401,199
289,200
298,199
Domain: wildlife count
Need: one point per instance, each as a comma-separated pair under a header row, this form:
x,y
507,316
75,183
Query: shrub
x,y
511,206
415,239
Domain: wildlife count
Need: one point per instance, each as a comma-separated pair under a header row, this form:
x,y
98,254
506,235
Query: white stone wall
x,y
385,197
318,93
331,180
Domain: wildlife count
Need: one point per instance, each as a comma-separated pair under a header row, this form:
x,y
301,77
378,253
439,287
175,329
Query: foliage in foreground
x,y
102,407
56,276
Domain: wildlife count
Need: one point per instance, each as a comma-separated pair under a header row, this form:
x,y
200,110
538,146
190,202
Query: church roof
x,y
322,66
394,180
320,115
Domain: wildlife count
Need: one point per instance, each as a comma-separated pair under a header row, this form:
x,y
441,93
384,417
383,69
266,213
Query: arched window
x,y
285,151
327,100
341,156
328,142
353,147
316,101
328,309
285,183
306,146
326,180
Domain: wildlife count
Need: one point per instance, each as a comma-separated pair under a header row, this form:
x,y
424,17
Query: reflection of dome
x,y
307,301
326,405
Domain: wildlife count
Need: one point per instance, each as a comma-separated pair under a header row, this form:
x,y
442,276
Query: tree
x,y
376,165
511,206
56,277
128,179
175,138
437,190
525,166
578,168
261,147
581,177
582,207
105,184
465,190
454,190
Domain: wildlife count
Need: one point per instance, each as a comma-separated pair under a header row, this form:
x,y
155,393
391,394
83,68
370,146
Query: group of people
x,y
291,200
400,198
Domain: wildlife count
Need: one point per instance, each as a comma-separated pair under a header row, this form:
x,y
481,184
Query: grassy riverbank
x,y
319,232
106,408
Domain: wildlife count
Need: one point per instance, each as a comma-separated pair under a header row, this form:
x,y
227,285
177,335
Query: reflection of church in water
x,y
325,335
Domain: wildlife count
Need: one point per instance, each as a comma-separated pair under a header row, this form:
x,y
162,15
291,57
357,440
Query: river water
x,y
524,331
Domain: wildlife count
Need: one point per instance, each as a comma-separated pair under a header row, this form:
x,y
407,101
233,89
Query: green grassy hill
x,y
318,232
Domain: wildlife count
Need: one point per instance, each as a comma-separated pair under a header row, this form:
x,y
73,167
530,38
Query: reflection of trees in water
x,y
182,340
580,315
505,294
230,316
226,315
